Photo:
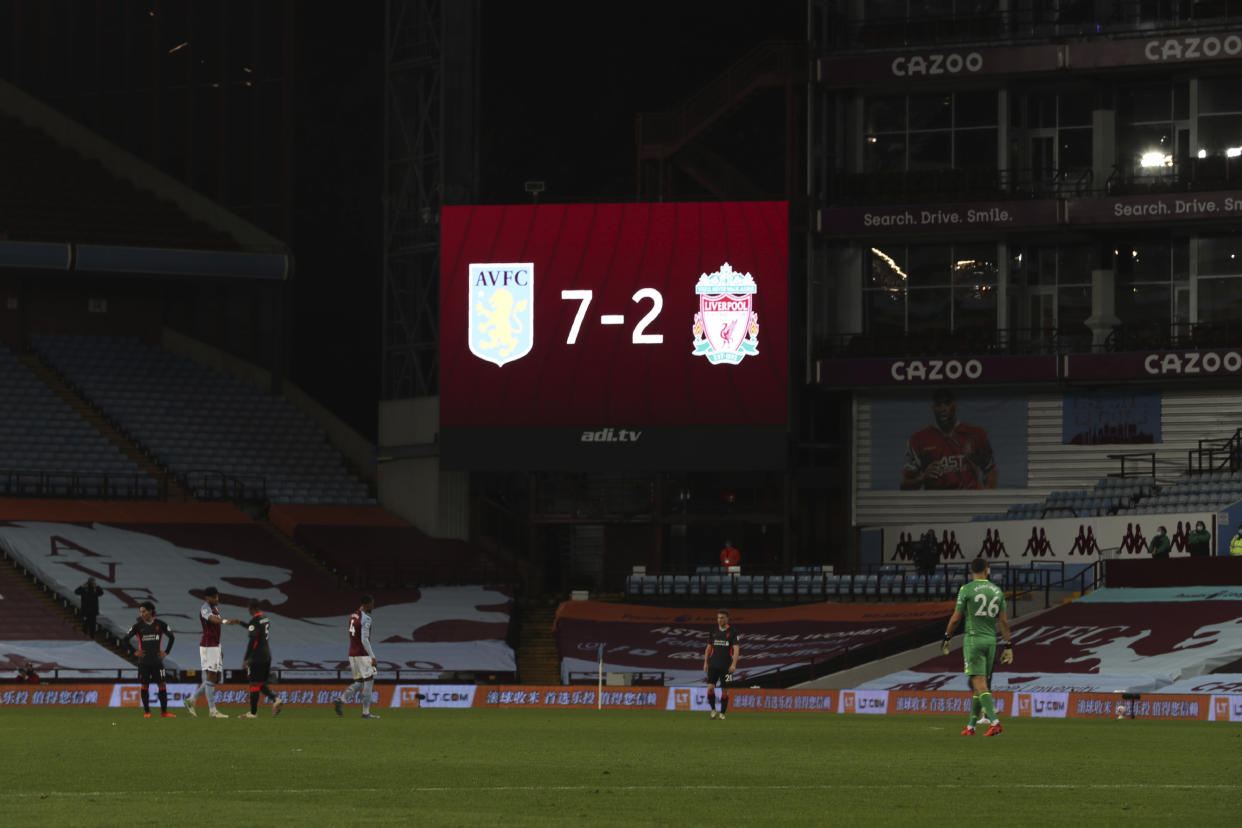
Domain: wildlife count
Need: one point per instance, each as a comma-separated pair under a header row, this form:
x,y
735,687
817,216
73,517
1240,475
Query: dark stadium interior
x,y
221,275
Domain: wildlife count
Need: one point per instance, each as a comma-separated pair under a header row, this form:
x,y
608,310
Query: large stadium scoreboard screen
x,y
614,336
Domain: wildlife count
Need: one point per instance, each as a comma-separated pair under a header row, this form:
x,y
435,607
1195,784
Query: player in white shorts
x,y
362,661
209,653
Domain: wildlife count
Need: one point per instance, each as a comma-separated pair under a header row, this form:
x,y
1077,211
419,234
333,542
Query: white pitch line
x,y
1094,786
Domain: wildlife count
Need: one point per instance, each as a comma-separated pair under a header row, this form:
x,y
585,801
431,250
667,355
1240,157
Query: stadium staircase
x,y
538,660
33,590
92,415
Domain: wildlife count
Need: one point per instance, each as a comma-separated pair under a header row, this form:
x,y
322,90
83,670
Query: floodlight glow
x,y
1155,159
1233,152
1203,153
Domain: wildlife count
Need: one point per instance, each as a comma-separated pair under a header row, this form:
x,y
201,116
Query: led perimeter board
x,y
614,336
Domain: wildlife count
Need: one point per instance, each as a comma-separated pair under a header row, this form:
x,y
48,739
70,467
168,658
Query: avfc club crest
x,y
501,307
726,328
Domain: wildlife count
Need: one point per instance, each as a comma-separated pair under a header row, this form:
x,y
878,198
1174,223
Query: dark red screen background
x,y
604,379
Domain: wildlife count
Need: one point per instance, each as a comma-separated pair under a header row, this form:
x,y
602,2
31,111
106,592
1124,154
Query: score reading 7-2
x,y
638,336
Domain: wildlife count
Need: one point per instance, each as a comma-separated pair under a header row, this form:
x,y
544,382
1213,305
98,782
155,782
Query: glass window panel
x,y
974,307
1219,133
1144,305
1145,103
1181,100
975,108
1219,256
976,149
930,265
1073,308
1041,110
929,311
1019,261
931,111
1075,149
1074,263
884,10
974,265
1220,300
885,114
884,153
1141,260
1076,109
886,312
887,268
930,151
1220,94
1181,260
1141,140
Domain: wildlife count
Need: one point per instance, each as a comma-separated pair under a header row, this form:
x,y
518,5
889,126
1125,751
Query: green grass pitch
x,y
583,767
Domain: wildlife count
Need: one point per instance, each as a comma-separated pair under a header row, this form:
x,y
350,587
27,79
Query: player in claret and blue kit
x,y
982,604
155,640
362,660
719,662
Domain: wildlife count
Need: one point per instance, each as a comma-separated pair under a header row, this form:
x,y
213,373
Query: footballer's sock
x,y
209,690
711,697
254,701
348,695
146,700
989,710
267,692
724,703
163,694
975,709
366,696
198,691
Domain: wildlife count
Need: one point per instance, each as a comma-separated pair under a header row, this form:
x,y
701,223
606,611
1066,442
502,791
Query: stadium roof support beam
x,y
430,158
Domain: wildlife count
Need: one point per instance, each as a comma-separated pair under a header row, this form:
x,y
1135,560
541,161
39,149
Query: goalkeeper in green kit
x,y
982,604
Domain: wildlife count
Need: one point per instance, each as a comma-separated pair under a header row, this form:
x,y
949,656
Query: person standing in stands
x,y
151,632
1160,545
719,662
1199,540
210,656
982,604
1235,544
362,660
258,662
730,555
90,592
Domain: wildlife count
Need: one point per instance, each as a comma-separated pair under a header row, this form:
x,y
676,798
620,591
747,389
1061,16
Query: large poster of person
x,y
1102,418
949,440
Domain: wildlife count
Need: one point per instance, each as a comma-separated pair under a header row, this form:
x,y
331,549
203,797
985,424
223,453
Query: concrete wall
x,y
438,502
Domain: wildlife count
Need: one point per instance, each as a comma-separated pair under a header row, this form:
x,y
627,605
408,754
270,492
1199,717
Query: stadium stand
x,y
777,642
1209,491
47,448
1113,640
222,438
31,630
167,552
375,549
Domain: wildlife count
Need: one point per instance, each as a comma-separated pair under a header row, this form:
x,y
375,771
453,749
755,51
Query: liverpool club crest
x,y
726,328
502,311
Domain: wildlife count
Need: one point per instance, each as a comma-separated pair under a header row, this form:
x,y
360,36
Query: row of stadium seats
x,y
40,433
1112,495
205,426
801,587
